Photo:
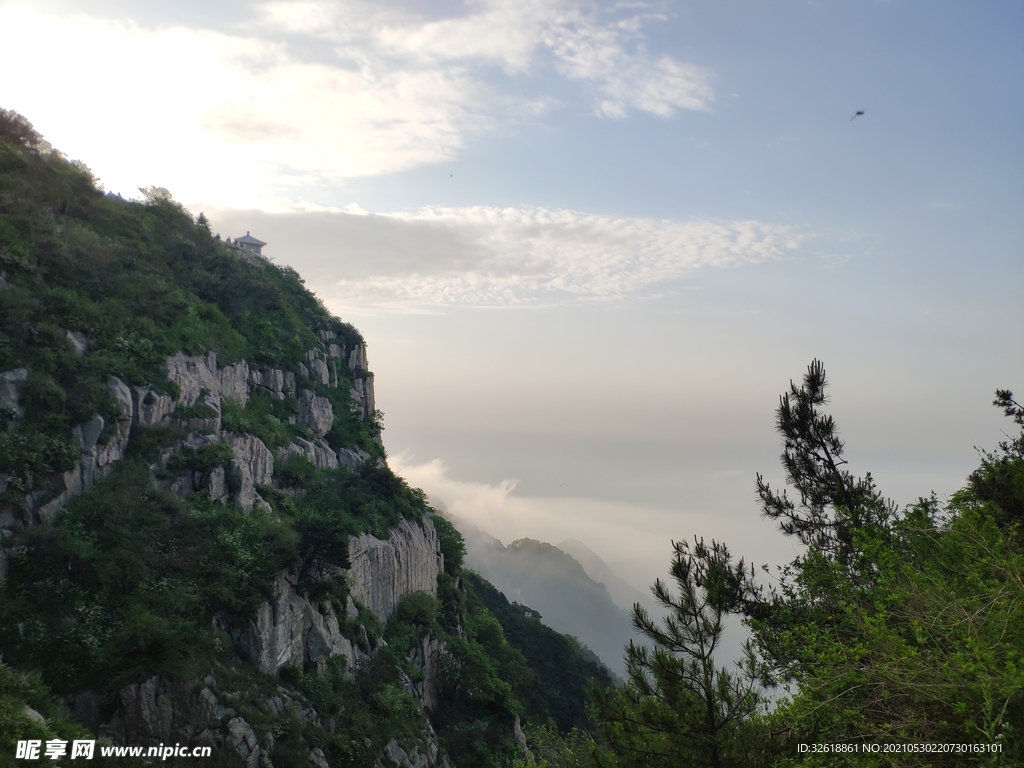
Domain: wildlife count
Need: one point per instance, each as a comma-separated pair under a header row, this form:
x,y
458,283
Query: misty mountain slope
x,y
543,577
623,593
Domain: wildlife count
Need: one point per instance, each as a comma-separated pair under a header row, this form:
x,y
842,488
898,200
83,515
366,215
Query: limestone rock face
x,y
318,452
254,463
357,358
234,382
151,407
363,403
193,375
123,397
279,384
148,709
351,459
426,656
291,631
315,412
384,571
320,371
243,742
157,712
96,459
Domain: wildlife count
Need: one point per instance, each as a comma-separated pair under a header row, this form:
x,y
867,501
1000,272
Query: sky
x,y
590,243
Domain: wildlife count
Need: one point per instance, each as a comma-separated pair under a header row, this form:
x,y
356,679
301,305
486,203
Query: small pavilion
x,y
250,243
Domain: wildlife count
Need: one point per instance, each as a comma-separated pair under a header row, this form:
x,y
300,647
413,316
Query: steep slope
x,y
553,584
623,594
200,538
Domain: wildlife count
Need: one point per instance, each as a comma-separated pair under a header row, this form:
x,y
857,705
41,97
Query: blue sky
x,y
591,243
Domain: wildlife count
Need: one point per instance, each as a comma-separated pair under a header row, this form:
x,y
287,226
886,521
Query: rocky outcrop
x,y
363,404
315,412
351,458
277,383
194,376
426,657
254,464
199,389
317,451
422,753
151,407
78,341
291,631
234,382
156,712
357,359
95,459
384,571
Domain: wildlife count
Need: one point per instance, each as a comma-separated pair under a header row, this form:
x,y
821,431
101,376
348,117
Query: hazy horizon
x,y
590,244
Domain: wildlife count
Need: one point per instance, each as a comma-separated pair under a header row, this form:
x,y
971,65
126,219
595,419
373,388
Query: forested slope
x,y
201,539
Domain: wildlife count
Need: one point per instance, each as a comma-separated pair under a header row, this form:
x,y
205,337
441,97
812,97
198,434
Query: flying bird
x,y
859,113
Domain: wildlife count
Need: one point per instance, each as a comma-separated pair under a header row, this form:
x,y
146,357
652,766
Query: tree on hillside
x,y
891,626
896,627
679,707
833,503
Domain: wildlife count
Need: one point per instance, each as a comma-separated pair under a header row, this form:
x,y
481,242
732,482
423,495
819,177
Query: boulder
x,y
78,341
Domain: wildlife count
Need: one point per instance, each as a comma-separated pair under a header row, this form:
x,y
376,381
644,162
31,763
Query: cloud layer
x,y
304,94
501,257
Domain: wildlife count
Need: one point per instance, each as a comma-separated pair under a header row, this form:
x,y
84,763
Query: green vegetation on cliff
x,y
176,566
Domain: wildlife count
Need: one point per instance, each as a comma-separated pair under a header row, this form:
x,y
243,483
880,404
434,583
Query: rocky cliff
x,y
200,539
289,629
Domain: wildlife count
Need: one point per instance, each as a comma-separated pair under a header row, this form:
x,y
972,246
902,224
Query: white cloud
x,y
634,538
312,93
534,256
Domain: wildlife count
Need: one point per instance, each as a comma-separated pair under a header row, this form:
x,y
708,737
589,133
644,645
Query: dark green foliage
x,y
263,417
350,432
126,583
908,632
295,472
453,547
415,618
141,281
368,710
24,451
679,706
18,690
371,499
205,459
562,673
147,443
999,482
832,501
